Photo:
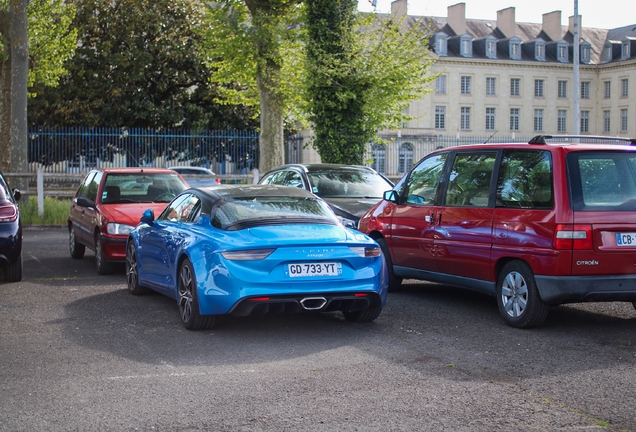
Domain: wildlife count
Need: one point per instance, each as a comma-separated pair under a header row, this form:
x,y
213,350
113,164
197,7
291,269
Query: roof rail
x,y
541,139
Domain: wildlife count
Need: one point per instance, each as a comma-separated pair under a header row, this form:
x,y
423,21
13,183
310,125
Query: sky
x,y
607,14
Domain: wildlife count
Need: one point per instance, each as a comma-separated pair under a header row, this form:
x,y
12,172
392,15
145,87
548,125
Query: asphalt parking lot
x,y
79,353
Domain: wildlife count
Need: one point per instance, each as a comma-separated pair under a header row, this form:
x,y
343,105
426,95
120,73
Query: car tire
x,y
395,282
13,272
103,266
132,272
76,249
366,315
189,302
518,298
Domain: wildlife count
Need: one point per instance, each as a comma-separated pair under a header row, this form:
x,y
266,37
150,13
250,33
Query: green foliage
x,y
357,85
240,47
56,211
138,64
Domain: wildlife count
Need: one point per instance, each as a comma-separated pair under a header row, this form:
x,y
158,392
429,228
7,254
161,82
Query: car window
x,y
470,179
93,186
421,186
346,183
83,190
146,187
525,179
275,178
293,179
183,209
603,180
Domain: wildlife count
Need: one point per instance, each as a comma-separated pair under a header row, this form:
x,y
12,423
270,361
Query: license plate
x,y
314,269
625,239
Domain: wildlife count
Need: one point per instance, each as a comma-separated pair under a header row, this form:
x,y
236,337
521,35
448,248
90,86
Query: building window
x,y
607,93
514,119
624,120
490,119
624,87
563,89
465,118
563,53
405,158
625,50
539,51
441,44
465,85
491,86
515,86
538,88
440,117
562,121
607,53
491,49
440,84
585,53
466,46
538,120
585,121
515,50
585,89
606,121
379,158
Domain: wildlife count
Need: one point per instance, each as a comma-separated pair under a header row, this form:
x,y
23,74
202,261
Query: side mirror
x,y
390,195
17,194
83,202
148,217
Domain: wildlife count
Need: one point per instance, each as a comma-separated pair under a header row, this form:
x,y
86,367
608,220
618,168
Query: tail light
x,y
8,212
367,252
246,255
573,237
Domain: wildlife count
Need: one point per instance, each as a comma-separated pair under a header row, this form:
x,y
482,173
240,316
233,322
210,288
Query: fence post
x,y
256,177
40,187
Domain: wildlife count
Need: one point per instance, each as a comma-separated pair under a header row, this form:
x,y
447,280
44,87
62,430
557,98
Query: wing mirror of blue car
x,y
390,195
148,217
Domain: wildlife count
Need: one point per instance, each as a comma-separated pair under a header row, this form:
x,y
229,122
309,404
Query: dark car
x,y
350,190
10,232
107,207
535,224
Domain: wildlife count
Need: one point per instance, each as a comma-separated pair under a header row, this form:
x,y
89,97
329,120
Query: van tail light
x,y
8,212
573,237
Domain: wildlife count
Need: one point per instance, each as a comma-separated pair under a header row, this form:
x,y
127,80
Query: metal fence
x,y
72,150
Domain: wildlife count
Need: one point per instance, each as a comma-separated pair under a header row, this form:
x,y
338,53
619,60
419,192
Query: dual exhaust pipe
x,y
313,303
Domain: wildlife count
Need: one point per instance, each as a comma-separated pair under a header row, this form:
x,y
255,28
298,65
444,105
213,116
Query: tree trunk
x,y
5,94
19,82
271,139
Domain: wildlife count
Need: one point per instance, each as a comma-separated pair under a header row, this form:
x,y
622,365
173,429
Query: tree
x,y
254,48
36,42
357,85
138,64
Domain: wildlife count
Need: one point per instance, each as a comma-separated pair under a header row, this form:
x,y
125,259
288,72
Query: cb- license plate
x,y
315,269
626,239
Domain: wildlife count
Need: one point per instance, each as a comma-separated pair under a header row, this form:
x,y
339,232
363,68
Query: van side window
x,y
525,180
470,179
421,186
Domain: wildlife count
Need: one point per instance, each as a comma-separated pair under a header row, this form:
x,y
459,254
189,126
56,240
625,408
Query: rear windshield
x,y
259,211
603,180
348,184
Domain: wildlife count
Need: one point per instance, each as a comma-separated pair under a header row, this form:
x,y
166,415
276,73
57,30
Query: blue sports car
x,y
254,250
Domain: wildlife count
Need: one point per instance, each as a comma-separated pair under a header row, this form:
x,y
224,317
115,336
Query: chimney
x,y
457,18
398,9
506,22
571,26
552,25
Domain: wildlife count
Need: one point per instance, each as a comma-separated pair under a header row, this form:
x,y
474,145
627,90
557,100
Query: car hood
x,y
129,214
309,233
352,206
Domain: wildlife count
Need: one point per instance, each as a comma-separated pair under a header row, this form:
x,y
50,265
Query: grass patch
x,y
56,211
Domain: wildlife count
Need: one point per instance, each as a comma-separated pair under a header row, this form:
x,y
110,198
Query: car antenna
x,y
495,133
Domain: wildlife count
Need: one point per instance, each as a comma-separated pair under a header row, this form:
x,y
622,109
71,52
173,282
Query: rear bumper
x,y
572,289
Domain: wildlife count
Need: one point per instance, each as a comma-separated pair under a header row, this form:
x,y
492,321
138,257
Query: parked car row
x,y
534,224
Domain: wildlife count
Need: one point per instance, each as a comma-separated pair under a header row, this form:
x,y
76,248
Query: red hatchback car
x,y
108,205
534,224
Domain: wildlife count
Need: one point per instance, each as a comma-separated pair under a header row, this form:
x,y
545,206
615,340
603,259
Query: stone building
x,y
502,80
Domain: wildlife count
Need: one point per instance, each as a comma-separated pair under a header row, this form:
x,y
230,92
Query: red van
x,y
535,224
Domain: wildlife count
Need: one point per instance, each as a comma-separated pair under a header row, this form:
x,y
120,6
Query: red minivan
x,y
535,224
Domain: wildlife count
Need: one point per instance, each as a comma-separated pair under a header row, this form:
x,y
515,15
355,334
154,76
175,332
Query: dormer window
x,y
625,51
607,53
539,50
562,52
466,46
491,47
585,53
441,44
515,49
